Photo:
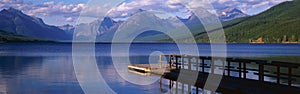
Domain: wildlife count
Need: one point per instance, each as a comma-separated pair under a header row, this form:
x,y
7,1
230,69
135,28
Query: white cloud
x,y
176,1
72,11
247,6
260,4
69,19
128,8
68,11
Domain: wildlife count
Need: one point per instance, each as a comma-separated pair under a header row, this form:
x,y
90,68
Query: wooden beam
x,y
240,70
189,63
197,64
197,90
212,66
170,62
261,72
278,74
228,67
290,76
182,61
245,72
176,62
203,68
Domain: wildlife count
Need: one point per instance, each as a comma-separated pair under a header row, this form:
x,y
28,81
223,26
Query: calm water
x,y
34,68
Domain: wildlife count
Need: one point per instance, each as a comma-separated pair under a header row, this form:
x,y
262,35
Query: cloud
x,y
69,19
128,8
69,12
247,6
95,11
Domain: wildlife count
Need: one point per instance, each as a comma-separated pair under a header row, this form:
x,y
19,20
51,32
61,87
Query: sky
x,y
61,12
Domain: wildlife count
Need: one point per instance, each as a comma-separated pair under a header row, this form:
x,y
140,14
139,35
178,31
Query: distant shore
x,y
139,42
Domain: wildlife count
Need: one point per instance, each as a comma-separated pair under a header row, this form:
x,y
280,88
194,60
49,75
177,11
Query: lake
x,y
34,68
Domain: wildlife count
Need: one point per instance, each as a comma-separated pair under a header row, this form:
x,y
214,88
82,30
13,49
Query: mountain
x,y
108,24
69,29
278,24
142,21
104,25
15,21
225,14
192,20
99,27
230,14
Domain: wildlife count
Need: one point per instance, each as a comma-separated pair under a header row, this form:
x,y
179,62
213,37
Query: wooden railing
x,y
179,61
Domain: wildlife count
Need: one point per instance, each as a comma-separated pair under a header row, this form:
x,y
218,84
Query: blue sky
x,y
60,12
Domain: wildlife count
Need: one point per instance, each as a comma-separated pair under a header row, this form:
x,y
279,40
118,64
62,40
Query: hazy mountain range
x,y
235,22
15,21
279,24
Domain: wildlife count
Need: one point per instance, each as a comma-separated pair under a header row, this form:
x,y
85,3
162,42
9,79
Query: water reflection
x,y
120,85
34,75
55,75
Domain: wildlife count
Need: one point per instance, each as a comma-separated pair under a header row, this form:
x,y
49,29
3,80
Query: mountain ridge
x,y
228,14
279,24
242,28
17,22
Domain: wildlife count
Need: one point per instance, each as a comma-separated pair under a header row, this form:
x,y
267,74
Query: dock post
x,y
176,62
223,67
189,89
261,72
189,63
240,70
290,77
278,74
245,70
228,68
203,65
170,84
170,62
182,61
197,63
197,90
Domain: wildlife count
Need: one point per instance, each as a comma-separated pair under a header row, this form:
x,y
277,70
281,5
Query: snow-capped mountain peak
x,y
230,14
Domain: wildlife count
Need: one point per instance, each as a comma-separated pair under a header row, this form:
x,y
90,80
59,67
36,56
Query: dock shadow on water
x,y
238,77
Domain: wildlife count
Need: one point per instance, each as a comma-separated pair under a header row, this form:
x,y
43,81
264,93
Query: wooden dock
x,y
240,83
158,69
230,85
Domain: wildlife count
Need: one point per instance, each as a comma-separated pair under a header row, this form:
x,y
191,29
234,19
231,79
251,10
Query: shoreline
x,y
143,42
